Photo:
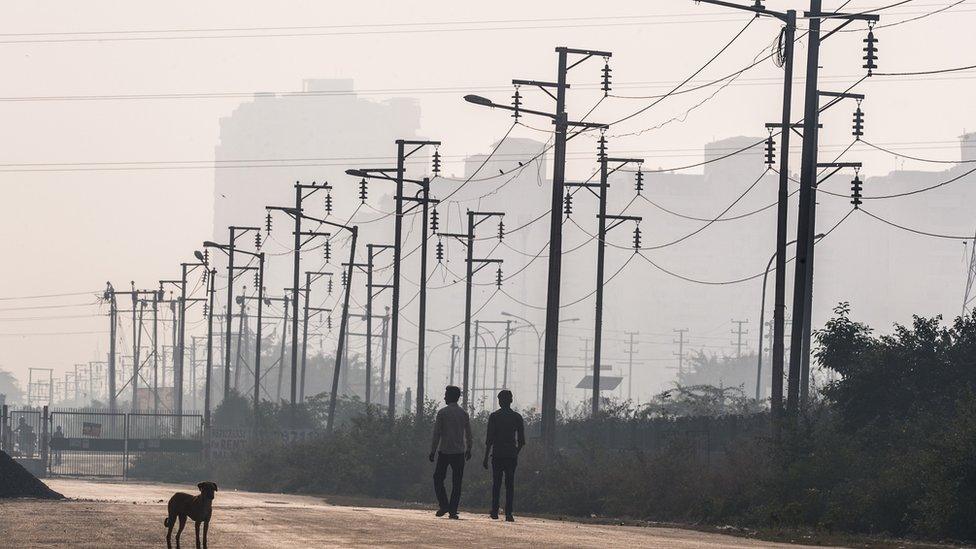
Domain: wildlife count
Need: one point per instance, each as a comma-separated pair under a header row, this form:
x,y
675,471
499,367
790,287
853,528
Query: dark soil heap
x,y
17,482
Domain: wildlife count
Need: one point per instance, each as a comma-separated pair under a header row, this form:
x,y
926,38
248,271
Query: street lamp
x,y
762,315
538,355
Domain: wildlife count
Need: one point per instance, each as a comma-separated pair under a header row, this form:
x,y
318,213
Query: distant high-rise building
x,y
310,136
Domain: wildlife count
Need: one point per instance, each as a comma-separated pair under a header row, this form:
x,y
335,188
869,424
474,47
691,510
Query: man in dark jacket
x,y
504,441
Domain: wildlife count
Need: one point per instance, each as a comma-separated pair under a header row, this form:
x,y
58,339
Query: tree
x,y
10,387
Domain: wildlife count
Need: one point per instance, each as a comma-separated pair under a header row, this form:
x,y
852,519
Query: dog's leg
x,y
180,530
196,527
206,528
170,522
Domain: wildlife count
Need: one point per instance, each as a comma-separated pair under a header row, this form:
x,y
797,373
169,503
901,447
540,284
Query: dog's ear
x,y
214,484
202,485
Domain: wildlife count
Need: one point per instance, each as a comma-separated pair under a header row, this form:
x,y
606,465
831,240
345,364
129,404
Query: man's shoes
x,y
493,515
453,516
441,512
509,518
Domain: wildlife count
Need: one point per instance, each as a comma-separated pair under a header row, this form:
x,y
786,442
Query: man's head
x,y
505,398
452,394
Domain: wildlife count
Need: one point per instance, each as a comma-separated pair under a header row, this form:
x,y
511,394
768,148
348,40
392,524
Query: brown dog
x,y
198,508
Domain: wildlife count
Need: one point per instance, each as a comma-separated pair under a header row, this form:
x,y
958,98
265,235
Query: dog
x,y
198,508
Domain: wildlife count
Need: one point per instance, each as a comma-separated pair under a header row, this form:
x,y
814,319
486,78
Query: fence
x,y
95,443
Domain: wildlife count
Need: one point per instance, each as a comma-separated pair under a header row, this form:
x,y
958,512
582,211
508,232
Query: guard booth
x,y
89,443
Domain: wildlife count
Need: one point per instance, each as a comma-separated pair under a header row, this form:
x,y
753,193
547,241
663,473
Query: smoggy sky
x,y
91,187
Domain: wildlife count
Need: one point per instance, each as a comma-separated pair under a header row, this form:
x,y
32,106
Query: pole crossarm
x,y
871,17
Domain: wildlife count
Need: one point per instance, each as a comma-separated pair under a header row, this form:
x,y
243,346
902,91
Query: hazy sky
x,y
98,188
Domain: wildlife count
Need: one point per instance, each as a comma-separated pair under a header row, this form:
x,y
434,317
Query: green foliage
x,y
887,448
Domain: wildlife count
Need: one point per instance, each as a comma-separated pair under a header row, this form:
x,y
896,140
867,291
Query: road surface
x,y
114,514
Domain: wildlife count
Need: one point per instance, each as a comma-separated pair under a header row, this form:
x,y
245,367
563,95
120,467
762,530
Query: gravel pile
x,y
17,482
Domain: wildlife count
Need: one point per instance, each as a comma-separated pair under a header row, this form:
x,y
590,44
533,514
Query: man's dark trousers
x,y
506,466
456,461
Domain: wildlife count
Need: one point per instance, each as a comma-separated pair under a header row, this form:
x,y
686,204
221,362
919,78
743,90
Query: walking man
x,y
504,441
452,444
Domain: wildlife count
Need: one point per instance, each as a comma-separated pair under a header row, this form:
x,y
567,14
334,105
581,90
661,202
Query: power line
x,y
915,231
44,296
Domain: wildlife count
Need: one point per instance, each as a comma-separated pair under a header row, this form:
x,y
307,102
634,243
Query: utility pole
x,y
231,248
156,297
508,338
344,320
284,337
806,217
454,350
786,127
207,375
474,219
302,192
681,350
307,291
603,229
113,322
399,178
739,332
383,346
372,252
631,351
562,125
241,328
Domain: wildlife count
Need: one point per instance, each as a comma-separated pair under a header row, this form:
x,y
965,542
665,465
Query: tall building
x,y
309,136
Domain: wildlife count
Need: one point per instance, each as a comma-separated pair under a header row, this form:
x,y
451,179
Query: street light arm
x,y
485,102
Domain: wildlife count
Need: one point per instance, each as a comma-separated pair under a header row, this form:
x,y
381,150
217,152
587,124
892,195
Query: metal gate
x,y
104,444
87,444
23,434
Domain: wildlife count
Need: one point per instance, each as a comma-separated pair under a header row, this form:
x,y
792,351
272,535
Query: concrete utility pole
x,y
284,336
241,327
809,179
307,291
631,351
508,347
474,219
344,320
302,191
454,350
739,332
399,178
207,375
602,231
681,350
786,127
372,252
562,125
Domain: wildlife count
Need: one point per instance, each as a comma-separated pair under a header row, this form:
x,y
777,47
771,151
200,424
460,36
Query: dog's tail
x,y
167,522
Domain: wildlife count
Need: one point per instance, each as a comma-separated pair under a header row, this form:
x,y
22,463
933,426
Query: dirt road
x,y
104,514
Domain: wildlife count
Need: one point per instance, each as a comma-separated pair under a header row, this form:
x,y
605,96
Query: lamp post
x,y
762,316
538,358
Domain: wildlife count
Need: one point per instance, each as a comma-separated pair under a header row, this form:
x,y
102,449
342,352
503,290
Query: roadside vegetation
x,y
888,448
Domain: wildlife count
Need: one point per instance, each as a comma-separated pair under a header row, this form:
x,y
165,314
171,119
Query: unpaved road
x,y
108,514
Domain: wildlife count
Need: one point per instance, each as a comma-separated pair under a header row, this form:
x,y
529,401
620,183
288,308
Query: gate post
x,y
125,447
4,429
45,430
